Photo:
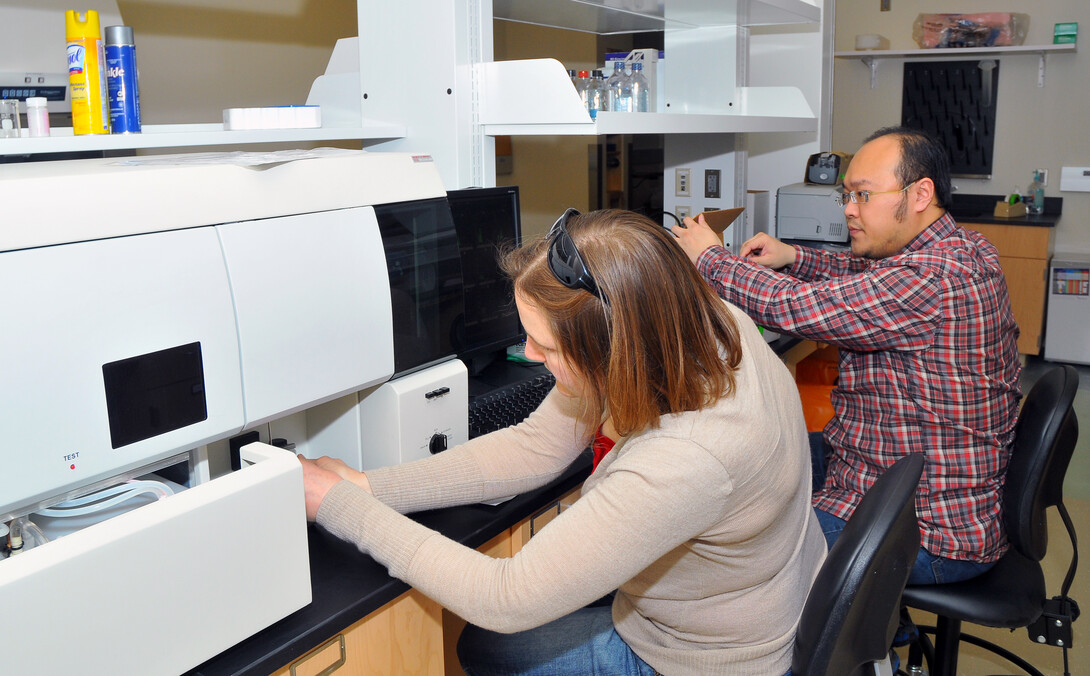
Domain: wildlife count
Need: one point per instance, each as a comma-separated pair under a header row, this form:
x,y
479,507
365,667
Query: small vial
x,y
37,116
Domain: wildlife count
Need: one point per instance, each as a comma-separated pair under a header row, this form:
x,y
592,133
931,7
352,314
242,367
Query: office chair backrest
x,y
1044,440
851,612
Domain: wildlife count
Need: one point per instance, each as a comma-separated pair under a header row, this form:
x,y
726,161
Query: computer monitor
x,y
487,221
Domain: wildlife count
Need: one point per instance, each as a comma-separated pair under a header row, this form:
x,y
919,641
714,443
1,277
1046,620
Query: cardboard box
x,y
1007,210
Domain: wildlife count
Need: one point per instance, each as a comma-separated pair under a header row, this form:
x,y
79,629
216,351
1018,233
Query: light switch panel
x,y
1075,179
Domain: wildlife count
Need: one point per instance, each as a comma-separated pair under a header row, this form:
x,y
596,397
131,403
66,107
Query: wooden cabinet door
x,y
1023,255
403,637
1027,286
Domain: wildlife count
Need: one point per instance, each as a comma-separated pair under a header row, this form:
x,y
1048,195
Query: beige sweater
x,y
703,526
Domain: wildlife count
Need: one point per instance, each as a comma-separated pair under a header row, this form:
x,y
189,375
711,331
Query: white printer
x,y
807,211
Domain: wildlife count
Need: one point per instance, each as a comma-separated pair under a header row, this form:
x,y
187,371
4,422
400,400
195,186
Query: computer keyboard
x,y
508,405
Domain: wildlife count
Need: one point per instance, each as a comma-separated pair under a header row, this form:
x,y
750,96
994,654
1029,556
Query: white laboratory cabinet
x,y
153,306
1068,320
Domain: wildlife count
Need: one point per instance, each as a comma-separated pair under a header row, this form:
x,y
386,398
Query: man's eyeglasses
x,y
564,260
863,196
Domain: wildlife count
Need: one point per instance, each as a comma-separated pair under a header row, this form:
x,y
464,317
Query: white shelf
x,y
658,123
62,139
534,97
604,17
871,58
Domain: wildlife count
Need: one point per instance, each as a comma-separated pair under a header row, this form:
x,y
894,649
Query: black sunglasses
x,y
564,259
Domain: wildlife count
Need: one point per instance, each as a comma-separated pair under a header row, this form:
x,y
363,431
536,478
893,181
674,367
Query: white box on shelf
x,y
273,117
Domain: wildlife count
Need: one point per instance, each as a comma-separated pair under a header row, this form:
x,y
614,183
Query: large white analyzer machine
x,y
152,306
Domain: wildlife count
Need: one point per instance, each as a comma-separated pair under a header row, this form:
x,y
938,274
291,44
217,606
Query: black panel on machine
x,y
154,393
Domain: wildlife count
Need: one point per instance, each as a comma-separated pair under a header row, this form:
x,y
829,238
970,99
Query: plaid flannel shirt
x,y
928,363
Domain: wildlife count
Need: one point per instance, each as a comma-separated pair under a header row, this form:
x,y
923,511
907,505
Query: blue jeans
x,y
583,642
928,569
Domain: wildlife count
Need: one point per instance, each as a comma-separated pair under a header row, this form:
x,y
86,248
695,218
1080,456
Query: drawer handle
x,y
331,668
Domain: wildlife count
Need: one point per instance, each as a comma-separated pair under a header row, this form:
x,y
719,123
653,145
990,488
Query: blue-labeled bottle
x,y
640,88
1035,195
613,86
121,80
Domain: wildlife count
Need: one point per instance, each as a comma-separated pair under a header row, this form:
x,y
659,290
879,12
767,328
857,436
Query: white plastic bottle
x,y
640,88
37,116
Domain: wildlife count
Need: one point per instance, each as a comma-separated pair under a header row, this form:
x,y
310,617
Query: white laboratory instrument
x,y
1068,321
153,305
807,211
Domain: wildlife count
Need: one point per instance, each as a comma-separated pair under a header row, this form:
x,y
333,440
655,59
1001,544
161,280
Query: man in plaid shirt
x,y
928,357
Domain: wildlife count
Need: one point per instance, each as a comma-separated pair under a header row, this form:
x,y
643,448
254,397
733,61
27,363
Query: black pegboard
x,y
946,99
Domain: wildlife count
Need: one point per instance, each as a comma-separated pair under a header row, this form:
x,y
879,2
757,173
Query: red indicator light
x,y
71,467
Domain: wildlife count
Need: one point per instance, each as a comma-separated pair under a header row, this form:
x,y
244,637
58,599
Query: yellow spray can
x,y
87,73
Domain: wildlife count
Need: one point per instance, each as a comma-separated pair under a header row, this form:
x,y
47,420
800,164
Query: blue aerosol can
x,y
121,80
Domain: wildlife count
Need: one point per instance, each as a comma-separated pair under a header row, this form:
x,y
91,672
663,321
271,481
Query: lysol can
x,y
86,74
121,80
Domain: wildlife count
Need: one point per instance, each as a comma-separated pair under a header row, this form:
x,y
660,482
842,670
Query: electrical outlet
x,y
683,212
1043,173
711,183
682,182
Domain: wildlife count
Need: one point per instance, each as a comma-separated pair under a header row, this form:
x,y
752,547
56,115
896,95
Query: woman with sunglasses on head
x,y
698,517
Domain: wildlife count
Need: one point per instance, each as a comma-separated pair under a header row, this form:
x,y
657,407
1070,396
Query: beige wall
x,y
197,58
551,171
1043,127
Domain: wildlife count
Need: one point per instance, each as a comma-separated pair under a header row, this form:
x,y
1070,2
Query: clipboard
x,y
719,219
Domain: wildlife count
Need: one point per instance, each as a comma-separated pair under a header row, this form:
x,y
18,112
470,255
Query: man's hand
x,y
766,250
695,236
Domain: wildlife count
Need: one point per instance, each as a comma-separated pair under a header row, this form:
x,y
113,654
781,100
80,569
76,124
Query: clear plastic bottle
x,y
1035,195
582,87
613,86
597,96
622,95
640,88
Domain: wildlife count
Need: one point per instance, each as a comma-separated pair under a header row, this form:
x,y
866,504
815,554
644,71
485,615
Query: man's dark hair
x,y
922,156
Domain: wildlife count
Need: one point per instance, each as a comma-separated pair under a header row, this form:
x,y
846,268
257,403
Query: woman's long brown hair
x,y
664,343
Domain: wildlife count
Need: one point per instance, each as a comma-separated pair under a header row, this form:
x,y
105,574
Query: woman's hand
x,y
319,477
338,467
695,236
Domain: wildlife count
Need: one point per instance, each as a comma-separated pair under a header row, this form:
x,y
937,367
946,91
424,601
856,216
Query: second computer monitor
x,y
487,221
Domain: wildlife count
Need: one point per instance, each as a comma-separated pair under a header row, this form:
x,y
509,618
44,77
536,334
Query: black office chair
x,y
851,613
1012,593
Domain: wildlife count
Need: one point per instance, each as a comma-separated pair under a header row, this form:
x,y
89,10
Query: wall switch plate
x,y
682,181
1075,179
1043,173
712,189
683,212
